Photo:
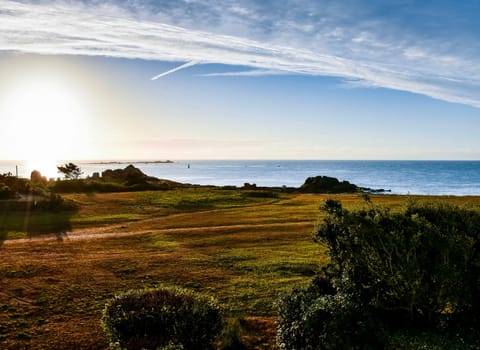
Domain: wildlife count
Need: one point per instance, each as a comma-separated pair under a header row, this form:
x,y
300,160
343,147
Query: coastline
x,y
432,177
130,162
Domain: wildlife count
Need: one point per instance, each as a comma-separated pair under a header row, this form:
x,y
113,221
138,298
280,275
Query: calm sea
x,y
401,177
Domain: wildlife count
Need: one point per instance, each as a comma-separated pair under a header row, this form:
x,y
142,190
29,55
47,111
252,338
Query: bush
x,y
54,203
315,318
15,184
408,271
260,194
85,186
420,267
6,192
165,317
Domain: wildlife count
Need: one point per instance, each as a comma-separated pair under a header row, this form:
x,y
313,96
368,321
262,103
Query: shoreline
x,y
449,177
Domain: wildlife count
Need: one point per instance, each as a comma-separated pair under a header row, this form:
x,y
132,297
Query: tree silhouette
x,y
70,171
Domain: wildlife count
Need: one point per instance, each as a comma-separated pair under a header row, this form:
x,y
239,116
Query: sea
x,y
458,178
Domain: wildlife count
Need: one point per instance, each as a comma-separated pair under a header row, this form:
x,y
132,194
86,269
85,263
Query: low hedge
x,y
161,318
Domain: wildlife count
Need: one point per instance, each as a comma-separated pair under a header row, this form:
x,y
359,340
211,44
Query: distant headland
x,y
130,162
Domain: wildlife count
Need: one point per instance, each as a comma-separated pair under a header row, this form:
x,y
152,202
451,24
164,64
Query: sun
x,y
44,121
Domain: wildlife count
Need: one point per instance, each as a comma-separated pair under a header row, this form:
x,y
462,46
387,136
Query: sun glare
x,y
44,120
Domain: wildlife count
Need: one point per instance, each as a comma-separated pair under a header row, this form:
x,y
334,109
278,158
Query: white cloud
x,y
183,66
310,39
246,73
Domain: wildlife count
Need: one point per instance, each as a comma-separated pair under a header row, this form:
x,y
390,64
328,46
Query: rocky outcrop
x,y
325,184
130,176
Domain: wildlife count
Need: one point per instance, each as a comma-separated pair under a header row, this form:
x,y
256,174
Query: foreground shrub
x,y
418,269
420,266
309,319
161,318
465,340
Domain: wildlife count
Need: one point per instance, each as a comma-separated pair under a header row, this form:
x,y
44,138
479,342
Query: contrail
x,y
188,64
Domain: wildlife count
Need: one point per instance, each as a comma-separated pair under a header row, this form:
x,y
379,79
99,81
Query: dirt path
x,y
116,231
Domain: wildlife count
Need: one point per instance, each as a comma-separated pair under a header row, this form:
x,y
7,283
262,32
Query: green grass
x,y
21,225
162,242
100,220
256,270
199,198
116,208
241,249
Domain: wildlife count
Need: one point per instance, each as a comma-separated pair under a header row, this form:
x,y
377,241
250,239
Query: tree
x,y
70,171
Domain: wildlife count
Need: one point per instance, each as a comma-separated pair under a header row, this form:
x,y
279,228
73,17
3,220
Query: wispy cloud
x,y
320,38
246,73
186,65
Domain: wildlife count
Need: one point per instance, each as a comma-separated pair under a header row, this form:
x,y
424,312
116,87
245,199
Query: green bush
x,y
55,203
101,186
260,194
315,318
161,318
6,192
420,266
294,329
85,186
413,270
17,185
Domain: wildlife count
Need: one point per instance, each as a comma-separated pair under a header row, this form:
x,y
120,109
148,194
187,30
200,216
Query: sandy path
x,y
114,231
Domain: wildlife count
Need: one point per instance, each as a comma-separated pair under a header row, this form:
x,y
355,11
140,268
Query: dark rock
x,y
130,175
325,184
374,191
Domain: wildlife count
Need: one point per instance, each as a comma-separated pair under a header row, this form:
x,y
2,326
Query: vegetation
x,y
118,180
405,272
133,179
241,249
161,318
6,192
23,197
11,185
70,171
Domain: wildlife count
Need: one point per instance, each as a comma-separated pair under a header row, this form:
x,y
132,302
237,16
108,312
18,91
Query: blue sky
x,y
296,79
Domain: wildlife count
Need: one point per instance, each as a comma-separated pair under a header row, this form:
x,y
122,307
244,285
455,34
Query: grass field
x,y
240,248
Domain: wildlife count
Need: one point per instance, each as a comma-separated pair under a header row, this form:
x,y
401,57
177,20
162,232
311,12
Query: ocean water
x,y
400,177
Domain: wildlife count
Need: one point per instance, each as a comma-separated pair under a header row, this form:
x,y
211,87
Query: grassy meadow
x,y
57,270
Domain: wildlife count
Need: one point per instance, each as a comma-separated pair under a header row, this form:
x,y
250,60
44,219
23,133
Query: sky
x,y
253,79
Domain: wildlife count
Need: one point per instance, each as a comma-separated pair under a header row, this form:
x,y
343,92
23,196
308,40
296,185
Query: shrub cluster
x,y
418,269
85,186
102,186
165,318
6,192
11,184
317,317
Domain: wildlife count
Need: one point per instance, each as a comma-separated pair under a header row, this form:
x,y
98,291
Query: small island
x,y
135,162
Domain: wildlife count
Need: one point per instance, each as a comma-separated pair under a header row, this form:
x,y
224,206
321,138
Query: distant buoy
x,y
188,165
